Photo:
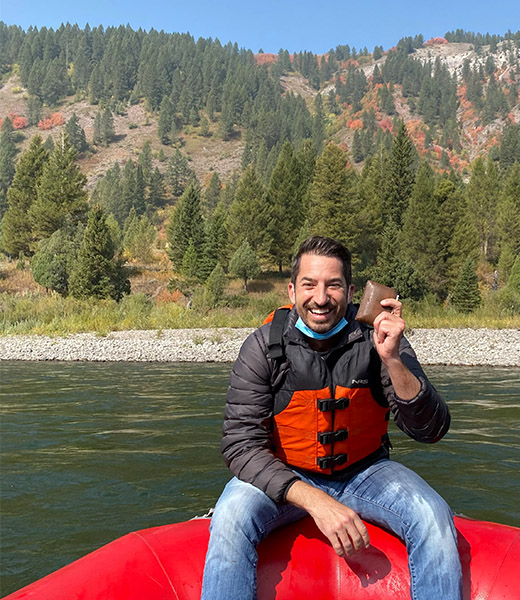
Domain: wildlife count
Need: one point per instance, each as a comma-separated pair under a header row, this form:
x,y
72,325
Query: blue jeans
x,y
386,493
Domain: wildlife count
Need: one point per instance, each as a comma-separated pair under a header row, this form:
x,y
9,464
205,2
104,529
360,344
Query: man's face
x,y
320,294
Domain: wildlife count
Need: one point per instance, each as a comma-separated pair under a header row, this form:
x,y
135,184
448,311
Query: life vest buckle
x,y
329,437
330,404
328,462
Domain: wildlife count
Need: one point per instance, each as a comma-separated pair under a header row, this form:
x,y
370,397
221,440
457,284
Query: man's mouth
x,y
320,311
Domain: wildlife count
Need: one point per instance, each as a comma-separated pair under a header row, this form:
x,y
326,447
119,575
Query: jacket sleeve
x,y
246,442
426,417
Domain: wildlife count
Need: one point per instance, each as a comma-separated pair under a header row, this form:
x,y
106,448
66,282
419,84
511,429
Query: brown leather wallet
x,y
370,305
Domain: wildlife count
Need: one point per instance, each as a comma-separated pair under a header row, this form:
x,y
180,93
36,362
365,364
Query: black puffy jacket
x,y
248,424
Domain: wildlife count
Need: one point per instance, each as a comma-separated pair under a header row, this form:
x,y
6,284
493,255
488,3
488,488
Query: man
x,y
305,433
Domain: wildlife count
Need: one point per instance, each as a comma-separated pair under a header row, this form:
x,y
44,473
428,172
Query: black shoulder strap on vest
x,y
275,345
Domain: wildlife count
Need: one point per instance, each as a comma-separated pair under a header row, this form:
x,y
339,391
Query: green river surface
x,y
92,451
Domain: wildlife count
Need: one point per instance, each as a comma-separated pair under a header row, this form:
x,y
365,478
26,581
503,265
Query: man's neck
x,y
321,345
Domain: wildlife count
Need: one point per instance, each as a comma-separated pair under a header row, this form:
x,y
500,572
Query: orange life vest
x,y
326,417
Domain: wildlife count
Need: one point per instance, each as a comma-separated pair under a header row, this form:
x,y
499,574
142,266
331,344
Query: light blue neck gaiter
x,y
320,336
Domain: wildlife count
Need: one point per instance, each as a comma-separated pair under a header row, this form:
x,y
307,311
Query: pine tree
x,y
510,145
98,272
212,193
54,260
249,215
190,263
76,134
400,177
48,144
145,161
215,249
156,192
139,191
420,236
394,270
214,287
139,238
244,263
333,198
34,110
16,226
178,173
466,295
7,162
481,193
286,200
108,194
115,232
186,224
463,245
369,221
318,125
107,127
450,209
97,137
165,122
508,211
55,83
61,195
227,121
129,192
357,150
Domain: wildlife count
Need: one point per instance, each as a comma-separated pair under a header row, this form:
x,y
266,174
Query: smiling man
x,y
305,432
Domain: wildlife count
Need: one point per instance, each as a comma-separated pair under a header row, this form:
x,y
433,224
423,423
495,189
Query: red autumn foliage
x,y
344,64
355,124
511,118
266,59
166,297
436,41
386,124
20,122
55,120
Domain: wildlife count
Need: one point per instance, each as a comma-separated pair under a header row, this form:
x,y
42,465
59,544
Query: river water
x,y
91,451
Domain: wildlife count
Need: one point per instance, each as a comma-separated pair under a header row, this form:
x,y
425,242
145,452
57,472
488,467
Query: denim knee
x,y
432,520
241,510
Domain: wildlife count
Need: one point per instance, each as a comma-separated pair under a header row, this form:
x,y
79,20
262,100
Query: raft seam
x,y
502,563
158,561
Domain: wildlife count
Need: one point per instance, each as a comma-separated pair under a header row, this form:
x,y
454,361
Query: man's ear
x,y
290,289
351,289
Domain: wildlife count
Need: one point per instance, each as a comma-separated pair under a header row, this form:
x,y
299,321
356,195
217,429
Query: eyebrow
x,y
312,280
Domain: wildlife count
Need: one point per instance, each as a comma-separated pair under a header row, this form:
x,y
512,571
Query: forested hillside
x,y
121,148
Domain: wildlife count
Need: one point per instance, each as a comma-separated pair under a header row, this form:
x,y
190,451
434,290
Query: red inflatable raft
x,y
296,562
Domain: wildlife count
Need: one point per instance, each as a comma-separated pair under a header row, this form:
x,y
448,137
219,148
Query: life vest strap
x,y
333,404
328,462
329,437
275,344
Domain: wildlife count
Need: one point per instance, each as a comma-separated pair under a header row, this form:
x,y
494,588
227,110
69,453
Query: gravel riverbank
x,y
433,346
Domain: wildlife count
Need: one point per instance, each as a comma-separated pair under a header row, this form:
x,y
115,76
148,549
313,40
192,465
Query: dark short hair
x,y
324,246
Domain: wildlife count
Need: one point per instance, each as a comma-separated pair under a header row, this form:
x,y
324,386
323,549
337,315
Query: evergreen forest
x,y
146,169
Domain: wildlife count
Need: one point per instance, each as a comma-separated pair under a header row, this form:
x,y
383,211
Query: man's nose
x,y
321,297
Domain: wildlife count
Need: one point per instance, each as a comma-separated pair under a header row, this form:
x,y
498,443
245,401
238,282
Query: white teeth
x,y
316,311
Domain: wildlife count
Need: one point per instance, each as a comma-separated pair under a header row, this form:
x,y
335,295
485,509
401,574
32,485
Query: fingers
x,y
394,304
389,322
351,537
